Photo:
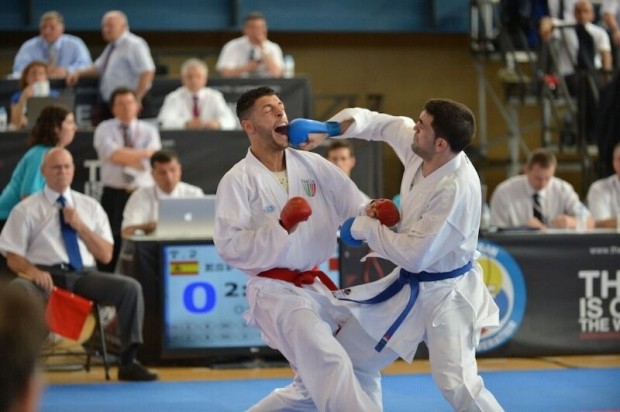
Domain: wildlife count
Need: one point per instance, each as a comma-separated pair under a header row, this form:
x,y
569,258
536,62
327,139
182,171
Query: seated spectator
x,y
22,332
604,196
536,198
54,238
251,55
62,52
55,127
195,106
141,210
610,12
34,82
341,153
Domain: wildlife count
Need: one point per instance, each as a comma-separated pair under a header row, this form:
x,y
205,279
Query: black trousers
x,y
113,202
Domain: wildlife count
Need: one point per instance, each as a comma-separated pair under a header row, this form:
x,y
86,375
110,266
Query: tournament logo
x,y
504,280
309,187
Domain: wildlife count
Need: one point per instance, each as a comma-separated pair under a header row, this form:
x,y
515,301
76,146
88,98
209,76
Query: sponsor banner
x,y
573,292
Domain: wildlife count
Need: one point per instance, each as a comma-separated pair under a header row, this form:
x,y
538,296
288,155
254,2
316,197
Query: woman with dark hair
x,y
55,127
34,82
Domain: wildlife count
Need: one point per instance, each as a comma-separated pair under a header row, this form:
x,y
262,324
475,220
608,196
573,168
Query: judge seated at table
x,y
194,105
604,196
537,199
141,210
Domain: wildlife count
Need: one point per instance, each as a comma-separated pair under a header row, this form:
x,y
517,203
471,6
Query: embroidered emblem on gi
x,y
309,187
270,209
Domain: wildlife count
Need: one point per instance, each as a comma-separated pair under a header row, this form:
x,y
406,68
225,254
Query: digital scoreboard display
x,y
204,299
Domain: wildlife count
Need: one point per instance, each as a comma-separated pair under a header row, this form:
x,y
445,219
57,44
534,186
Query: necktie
x,y
195,108
52,54
126,136
127,142
107,59
69,236
538,212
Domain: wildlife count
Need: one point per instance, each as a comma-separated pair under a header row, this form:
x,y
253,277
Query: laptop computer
x,y
35,105
186,217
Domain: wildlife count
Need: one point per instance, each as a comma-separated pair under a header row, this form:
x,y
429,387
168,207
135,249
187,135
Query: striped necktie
x,y
126,135
538,211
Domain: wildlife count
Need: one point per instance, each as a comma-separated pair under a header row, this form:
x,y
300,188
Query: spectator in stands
x,y
34,82
62,52
195,106
584,60
125,62
124,145
584,17
22,331
141,211
610,12
55,127
55,237
341,153
536,198
604,196
251,55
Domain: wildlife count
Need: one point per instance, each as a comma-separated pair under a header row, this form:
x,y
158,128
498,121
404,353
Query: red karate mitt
x,y
385,211
296,210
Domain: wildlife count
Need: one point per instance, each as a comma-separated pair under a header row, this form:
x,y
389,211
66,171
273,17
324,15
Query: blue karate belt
x,y
413,280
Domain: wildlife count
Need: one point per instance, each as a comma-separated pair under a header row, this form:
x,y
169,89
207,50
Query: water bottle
x,y
3,119
582,218
288,68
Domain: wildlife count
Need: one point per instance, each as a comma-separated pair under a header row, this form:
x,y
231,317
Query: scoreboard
x,y
204,299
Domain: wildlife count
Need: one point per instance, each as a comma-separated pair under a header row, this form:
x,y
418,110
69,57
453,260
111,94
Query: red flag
x,y
66,313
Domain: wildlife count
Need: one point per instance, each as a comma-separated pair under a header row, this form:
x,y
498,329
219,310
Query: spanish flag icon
x,y
184,267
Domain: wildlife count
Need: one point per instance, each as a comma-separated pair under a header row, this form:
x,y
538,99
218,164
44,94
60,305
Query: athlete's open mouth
x,y
282,129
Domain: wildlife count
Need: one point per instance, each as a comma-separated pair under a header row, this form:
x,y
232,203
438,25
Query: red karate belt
x,y
66,313
299,278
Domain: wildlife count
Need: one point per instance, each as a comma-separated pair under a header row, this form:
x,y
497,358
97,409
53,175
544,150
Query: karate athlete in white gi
x,y
262,205
436,239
